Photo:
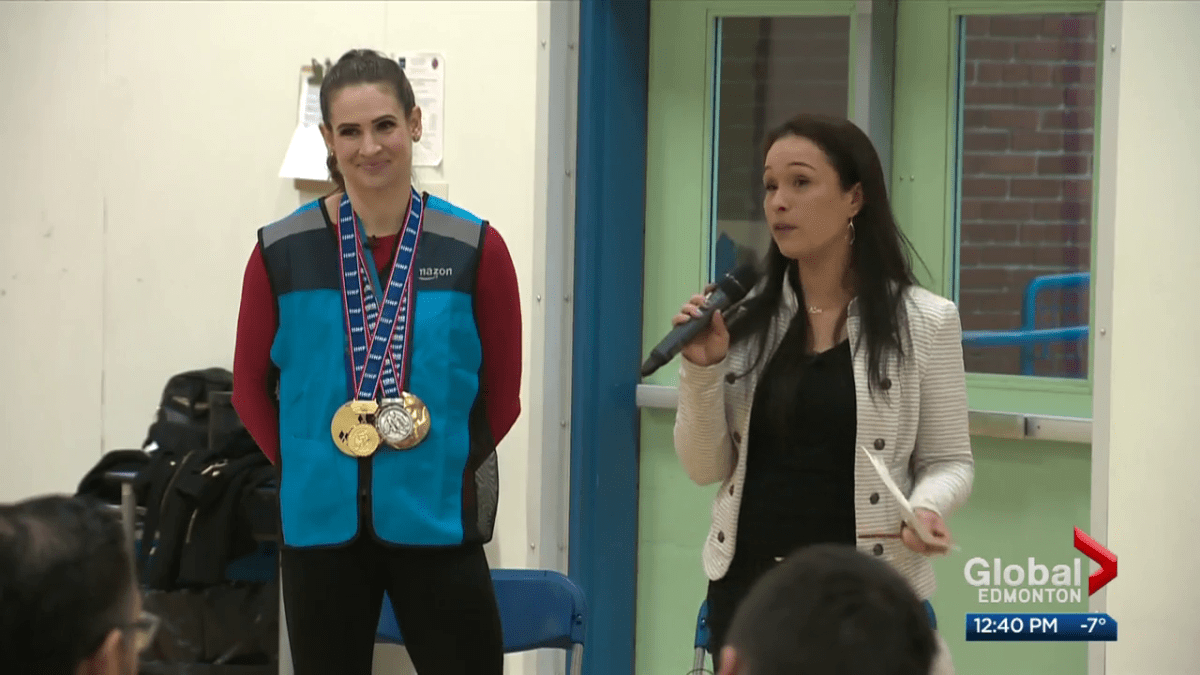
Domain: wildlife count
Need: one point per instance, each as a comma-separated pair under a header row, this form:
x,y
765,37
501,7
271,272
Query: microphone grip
x,y
681,335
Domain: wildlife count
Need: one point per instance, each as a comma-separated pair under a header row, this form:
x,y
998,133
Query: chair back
x,y
539,609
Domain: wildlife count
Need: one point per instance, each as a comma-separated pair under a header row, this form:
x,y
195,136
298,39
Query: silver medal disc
x,y
394,423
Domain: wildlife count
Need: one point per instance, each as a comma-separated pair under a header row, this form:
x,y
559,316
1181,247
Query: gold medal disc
x,y
363,440
347,435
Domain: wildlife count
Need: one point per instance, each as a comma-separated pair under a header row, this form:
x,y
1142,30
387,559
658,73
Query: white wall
x,y
142,143
52,266
1152,400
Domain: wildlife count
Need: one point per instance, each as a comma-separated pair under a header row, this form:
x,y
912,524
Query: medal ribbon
x,y
378,334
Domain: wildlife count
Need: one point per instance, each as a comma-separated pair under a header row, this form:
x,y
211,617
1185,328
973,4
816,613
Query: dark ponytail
x,y
334,174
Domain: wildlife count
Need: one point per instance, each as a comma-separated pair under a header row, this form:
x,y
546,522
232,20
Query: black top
x,y
799,487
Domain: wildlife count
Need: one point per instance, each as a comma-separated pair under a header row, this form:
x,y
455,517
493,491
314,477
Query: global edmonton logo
x,y
1036,582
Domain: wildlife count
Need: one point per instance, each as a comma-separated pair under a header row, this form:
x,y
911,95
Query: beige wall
x,y
1152,401
142,144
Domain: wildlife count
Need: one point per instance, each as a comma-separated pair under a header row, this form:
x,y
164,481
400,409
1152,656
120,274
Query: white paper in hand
x,y
906,510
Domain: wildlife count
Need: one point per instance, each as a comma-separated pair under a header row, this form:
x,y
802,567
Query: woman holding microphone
x,y
835,354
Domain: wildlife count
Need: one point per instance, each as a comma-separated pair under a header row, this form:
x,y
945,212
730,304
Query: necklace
x,y
814,310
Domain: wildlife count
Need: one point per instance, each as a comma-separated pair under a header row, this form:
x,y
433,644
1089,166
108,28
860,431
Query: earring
x,y
851,228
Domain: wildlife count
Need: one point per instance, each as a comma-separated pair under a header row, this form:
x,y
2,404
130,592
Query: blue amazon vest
x,y
443,492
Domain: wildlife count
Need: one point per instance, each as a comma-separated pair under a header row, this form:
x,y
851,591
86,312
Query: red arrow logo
x,y
1106,558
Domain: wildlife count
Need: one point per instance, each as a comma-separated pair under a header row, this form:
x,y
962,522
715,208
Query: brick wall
x,y
1028,111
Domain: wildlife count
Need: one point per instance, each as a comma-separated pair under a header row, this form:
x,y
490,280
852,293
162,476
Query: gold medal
x,y
353,428
363,440
404,422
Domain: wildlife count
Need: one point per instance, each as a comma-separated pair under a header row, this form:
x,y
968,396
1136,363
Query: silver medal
x,y
394,423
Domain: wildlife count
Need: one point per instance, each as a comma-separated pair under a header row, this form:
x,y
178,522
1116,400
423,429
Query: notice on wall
x,y
305,158
426,72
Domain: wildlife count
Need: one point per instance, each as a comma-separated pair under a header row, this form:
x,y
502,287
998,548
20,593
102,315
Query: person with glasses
x,y
69,601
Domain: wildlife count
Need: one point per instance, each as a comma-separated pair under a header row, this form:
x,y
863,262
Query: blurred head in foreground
x,y
830,610
69,603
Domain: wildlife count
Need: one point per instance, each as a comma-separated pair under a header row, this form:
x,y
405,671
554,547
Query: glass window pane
x,y
1027,123
769,69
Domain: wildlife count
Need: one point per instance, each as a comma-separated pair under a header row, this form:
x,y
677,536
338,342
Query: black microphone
x,y
730,290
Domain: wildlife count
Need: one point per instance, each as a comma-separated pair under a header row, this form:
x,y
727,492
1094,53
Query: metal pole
x,y
129,517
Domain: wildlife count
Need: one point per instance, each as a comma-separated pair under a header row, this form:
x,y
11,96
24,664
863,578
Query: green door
x,y
994,146
985,113
721,73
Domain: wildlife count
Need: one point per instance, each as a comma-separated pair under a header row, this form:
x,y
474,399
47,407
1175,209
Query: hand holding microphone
x,y
712,343
700,332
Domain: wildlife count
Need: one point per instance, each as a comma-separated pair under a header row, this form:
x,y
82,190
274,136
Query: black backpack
x,y
194,469
182,424
183,411
178,436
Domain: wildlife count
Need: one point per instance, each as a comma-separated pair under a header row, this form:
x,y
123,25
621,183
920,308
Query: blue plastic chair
x,y
539,609
702,636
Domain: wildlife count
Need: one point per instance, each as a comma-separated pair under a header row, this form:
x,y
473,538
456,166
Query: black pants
x,y
726,593
444,602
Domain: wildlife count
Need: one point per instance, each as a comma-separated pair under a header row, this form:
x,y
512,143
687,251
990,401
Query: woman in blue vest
x,y
378,365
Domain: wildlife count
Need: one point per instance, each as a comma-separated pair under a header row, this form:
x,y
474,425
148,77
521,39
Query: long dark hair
x,y
66,579
363,66
879,258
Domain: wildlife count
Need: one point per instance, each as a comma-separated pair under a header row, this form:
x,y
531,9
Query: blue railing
x,y
1028,334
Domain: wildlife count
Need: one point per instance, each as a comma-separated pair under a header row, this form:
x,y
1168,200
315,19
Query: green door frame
x,y
679,160
925,181
1041,489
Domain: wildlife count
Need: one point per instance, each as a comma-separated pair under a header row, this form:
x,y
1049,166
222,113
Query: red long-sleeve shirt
x,y
497,314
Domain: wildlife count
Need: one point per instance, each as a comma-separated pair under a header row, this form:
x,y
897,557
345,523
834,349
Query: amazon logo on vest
x,y
434,273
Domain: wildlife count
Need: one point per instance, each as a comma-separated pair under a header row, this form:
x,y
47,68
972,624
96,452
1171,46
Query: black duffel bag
x,y
229,629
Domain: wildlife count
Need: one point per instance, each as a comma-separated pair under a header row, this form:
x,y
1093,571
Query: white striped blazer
x,y
917,423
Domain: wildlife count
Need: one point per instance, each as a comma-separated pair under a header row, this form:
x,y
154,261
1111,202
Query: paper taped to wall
x,y
305,158
906,509
426,72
